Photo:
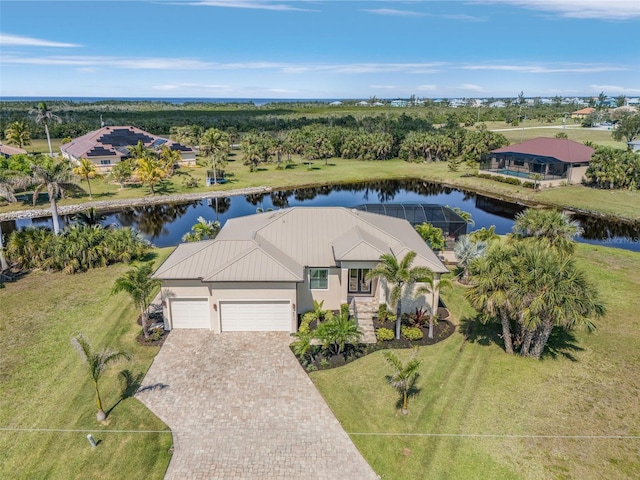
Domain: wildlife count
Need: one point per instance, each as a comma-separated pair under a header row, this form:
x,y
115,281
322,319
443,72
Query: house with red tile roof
x,y
547,161
108,146
583,113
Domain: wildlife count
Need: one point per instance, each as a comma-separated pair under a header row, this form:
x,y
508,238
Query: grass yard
x,y
590,385
45,385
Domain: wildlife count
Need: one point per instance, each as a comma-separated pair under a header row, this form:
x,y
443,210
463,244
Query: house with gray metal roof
x,y
263,270
108,146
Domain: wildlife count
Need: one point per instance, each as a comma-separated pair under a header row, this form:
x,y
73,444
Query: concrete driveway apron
x,y
241,407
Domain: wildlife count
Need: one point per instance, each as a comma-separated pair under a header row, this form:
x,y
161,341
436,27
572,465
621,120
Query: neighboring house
x,y
498,104
555,160
109,145
582,113
399,103
634,146
8,150
263,270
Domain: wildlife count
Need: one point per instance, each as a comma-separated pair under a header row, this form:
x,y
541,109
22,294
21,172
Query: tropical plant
x,y
484,234
55,178
9,180
203,230
86,170
139,150
89,217
43,115
400,276
466,216
466,250
17,133
404,376
122,172
553,228
215,144
337,331
139,284
169,158
97,362
150,172
433,236
384,334
432,285
627,128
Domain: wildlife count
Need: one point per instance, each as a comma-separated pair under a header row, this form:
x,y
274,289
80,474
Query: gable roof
x,y
277,246
8,150
584,111
113,141
561,149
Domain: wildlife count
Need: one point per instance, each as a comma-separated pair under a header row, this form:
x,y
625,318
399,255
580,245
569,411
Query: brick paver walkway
x,y
241,407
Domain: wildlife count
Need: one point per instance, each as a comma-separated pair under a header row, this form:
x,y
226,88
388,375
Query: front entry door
x,y
358,282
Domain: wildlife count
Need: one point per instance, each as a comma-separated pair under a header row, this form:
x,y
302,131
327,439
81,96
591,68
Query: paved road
x,y
241,407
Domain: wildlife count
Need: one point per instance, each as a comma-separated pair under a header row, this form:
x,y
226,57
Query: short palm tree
x,y
466,250
90,217
431,286
337,331
8,181
97,363
149,171
45,116
404,375
55,177
86,170
400,276
17,133
139,284
169,159
203,230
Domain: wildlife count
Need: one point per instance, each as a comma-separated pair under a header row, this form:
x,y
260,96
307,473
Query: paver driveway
x,y
240,406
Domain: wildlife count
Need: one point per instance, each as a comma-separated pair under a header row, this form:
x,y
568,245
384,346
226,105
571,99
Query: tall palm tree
x,y
97,363
45,116
404,375
466,250
17,133
169,158
86,170
203,230
400,276
139,284
54,177
493,278
150,172
215,143
432,285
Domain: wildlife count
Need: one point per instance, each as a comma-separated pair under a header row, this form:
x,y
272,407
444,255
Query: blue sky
x,y
319,49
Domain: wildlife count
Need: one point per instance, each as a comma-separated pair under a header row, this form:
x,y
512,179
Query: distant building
x,y
8,150
634,146
583,113
336,103
108,146
498,104
399,103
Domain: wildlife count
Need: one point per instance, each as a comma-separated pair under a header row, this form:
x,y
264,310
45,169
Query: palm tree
x,y
466,216
400,276
403,377
86,170
55,177
215,143
203,230
432,285
493,278
169,158
45,116
551,227
551,291
97,363
140,151
9,179
90,217
149,171
466,250
339,330
139,284
17,133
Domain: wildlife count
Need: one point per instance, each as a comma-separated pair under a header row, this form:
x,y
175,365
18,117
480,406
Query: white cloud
x,y
472,87
191,86
615,89
383,87
594,9
7,40
427,88
551,68
252,5
110,62
395,13
464,18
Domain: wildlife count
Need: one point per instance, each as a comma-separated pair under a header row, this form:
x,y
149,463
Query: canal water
x,y
164,225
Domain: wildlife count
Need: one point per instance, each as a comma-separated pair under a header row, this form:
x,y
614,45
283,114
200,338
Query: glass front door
x,y
358,282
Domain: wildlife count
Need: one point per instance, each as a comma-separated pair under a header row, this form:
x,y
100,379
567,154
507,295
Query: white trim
x,y
309,278
170,309
293,314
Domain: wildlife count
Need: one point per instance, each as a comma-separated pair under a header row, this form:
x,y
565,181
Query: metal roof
x,y
277,246
561,149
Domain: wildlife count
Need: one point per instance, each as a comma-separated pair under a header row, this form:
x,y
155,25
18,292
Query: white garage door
x,y
246,316
190,313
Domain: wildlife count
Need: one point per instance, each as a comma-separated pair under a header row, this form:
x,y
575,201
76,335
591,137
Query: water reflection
x,y
165,225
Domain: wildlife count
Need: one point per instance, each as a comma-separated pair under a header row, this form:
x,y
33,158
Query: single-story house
x,y
263,270
634,146
583,113
8,150
110,145
550,161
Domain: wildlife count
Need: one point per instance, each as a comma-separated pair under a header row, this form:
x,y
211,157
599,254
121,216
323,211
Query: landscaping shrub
x,y
511,181
344,309
384,315
411,333
528,185
385,334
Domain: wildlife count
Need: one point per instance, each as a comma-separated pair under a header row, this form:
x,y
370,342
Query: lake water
x,y
164,225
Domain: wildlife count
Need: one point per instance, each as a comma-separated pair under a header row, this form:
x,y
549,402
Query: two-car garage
x,y
235,315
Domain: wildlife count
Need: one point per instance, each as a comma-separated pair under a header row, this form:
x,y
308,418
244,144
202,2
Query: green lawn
x,y
45,385
616,203
474,388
